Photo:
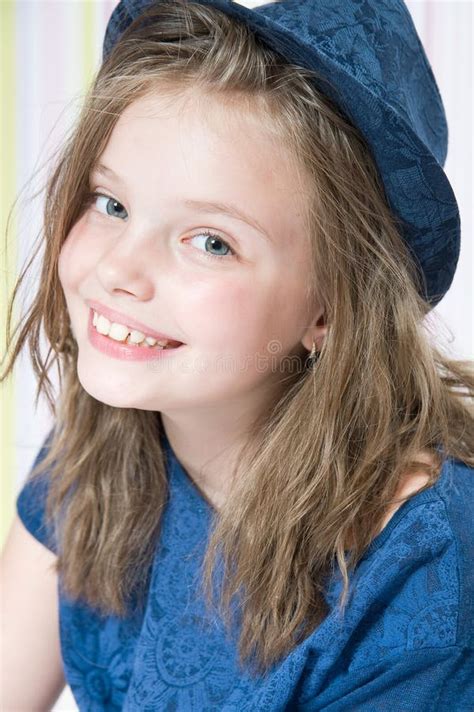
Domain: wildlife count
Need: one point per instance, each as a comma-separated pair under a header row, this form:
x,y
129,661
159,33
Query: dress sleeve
x,y
425,680
31,503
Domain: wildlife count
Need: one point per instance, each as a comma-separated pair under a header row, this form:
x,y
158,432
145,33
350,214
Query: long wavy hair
x,y
325,461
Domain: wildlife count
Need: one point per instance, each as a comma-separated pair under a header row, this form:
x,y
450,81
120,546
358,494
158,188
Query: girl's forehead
x,y
228,116
212,125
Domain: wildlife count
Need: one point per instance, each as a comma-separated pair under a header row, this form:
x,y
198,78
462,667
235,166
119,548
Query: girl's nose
x,y
129,265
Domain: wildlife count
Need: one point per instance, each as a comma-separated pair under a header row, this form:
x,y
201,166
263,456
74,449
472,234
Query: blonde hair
x,y
320,466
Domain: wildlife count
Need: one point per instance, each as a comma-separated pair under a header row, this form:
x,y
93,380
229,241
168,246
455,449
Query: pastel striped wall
x,y
49,52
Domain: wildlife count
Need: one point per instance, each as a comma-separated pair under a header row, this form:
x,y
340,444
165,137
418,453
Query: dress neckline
x,y
427,495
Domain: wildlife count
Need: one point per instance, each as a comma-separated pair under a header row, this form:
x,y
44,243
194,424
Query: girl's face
x,y
235,299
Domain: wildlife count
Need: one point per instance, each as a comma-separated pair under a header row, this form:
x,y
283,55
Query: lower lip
x,y
125,352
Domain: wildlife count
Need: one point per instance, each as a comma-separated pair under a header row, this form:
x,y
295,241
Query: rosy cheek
x,y
74,256
228,313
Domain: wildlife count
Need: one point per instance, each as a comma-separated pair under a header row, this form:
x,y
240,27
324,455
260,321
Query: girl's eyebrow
x,y
204,205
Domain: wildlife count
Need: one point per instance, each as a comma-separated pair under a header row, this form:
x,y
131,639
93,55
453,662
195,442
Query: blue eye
x,y
212,239
91,198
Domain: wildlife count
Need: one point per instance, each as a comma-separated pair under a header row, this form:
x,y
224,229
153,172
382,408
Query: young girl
x,y
272,509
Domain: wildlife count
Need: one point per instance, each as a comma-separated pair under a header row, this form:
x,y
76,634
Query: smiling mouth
x,y
121,334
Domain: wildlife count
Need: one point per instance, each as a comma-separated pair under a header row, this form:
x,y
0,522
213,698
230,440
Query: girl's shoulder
x,y
31,508
419,571
446,509
408,627
441,515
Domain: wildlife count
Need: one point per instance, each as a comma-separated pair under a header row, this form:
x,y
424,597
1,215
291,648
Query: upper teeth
x,y
119,332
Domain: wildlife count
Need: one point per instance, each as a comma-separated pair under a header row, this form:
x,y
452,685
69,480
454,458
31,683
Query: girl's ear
x,y
315,332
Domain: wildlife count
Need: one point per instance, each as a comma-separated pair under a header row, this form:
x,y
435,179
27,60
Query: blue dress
x,y
405,644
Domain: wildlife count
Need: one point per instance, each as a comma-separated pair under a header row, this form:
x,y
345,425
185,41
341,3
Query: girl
x,y
257,493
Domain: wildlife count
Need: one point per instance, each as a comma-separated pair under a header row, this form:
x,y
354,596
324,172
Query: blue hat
x,y
372,64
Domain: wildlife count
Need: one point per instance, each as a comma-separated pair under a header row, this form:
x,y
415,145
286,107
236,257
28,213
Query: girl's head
x,y
191,106
197,227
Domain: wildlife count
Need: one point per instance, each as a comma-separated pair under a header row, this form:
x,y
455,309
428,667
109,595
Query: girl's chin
x,y
107,397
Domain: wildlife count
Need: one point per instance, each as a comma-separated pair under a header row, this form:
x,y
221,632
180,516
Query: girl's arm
x,y
32,675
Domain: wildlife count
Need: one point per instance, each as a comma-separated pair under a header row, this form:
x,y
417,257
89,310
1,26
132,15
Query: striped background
x,y
49,52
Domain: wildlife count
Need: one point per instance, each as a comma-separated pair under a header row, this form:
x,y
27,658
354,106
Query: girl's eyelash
x,y
89,199
208,255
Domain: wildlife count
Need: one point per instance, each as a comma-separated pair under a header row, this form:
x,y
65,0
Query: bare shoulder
x,y
30,626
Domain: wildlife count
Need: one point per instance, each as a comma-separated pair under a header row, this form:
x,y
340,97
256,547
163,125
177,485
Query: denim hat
x,y
371,63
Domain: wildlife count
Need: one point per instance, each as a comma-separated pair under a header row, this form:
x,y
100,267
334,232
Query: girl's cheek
x,y
231,313
74,257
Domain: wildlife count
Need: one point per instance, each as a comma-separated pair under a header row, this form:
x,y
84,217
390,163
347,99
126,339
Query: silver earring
x,y
312,358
